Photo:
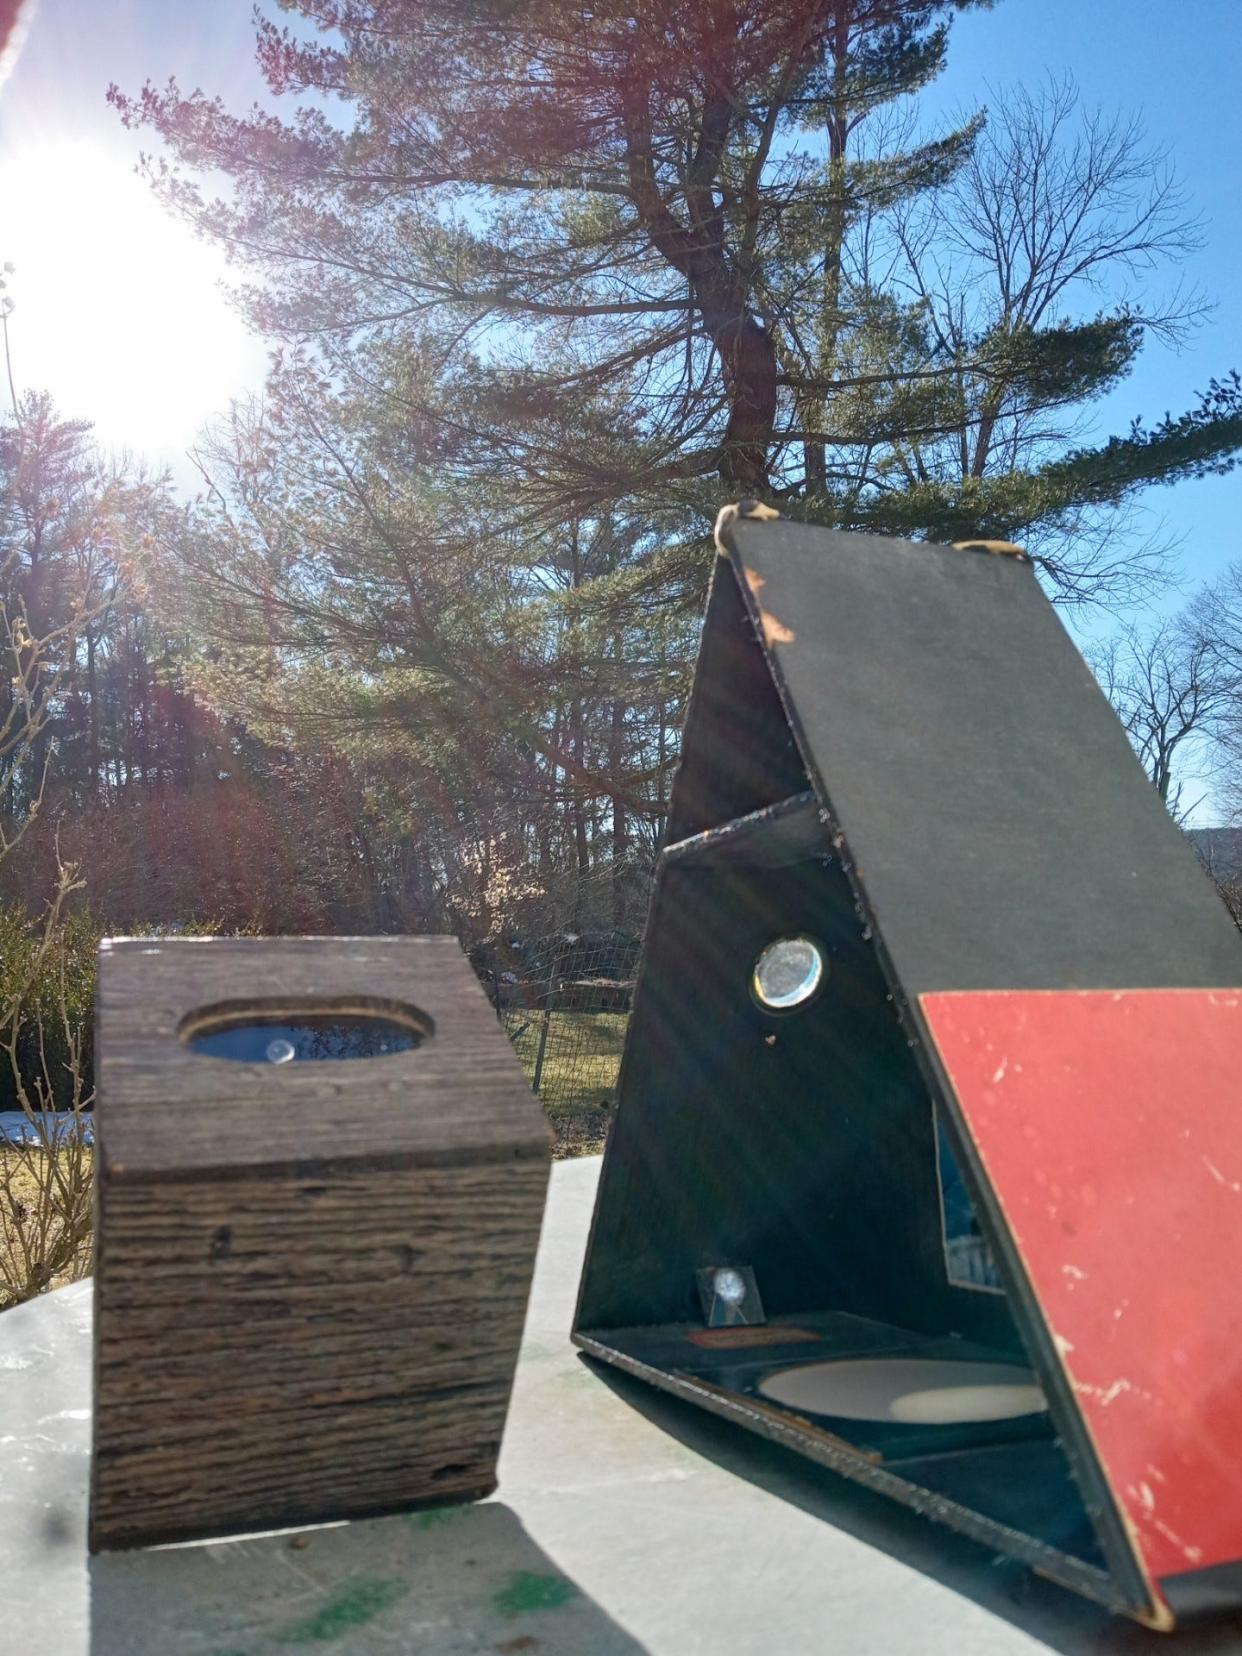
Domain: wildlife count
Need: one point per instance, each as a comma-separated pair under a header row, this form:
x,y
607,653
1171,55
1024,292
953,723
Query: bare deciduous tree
x,y
1039,271
45,1171
1216,615
1172,687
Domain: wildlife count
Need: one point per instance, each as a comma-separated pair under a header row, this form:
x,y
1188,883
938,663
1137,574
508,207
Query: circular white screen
x,y
787,973
910,1391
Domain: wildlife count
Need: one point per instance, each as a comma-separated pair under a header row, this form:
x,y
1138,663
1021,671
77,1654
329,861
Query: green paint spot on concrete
x,y
528,1590
437,1517
353,1604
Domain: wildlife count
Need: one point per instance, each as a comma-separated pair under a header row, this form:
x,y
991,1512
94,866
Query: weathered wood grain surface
x,y
279,1351
166,1108
303,1313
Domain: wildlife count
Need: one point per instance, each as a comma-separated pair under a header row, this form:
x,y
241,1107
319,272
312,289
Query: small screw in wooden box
x,y
320,1183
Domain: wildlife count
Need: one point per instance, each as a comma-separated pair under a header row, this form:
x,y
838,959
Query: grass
x,y
578,1079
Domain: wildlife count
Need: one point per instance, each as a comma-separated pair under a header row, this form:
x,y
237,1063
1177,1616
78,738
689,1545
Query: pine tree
x,y
548,285
632,258
599,204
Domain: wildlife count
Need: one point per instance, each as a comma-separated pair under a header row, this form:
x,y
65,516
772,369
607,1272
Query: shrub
x,y
46,1173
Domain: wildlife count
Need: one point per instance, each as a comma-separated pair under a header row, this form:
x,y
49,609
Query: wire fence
x,y
564,1001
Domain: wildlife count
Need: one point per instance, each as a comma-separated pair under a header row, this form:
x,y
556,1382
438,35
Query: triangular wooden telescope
x,y
983,1104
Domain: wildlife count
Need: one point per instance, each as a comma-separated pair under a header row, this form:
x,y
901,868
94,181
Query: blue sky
x,y
118,312
1180,67
113,308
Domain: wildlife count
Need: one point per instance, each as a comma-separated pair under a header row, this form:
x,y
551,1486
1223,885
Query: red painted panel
x,y
1110,1125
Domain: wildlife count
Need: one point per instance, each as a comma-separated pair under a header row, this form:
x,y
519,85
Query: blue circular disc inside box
x,y
283,1037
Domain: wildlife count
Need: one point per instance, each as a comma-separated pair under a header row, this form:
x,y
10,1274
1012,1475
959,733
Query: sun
x,y
119,309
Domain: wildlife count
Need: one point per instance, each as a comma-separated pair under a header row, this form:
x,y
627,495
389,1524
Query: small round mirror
x,y
787,974
729,1285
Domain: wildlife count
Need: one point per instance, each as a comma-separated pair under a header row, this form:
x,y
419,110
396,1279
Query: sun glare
x,y
119,313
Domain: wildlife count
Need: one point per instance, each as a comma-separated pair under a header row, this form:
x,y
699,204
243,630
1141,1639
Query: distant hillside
x,y
1220,852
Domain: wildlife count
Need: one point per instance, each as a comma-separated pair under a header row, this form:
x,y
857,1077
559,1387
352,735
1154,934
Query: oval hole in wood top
x,y
279,1030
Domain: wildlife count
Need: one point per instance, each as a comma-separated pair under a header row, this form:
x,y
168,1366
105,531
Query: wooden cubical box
x,y
320,1183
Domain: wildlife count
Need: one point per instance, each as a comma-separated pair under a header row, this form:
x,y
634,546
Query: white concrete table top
x,y
625,1522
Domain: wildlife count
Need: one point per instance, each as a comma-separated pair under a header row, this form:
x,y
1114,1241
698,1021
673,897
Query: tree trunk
x,y
620,822
747,351
92,696
834,239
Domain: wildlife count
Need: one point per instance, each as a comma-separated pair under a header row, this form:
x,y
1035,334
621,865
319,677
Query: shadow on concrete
x,y
1057,1618
452,1582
